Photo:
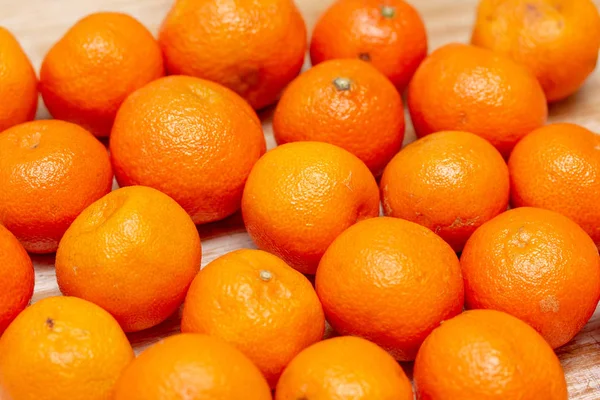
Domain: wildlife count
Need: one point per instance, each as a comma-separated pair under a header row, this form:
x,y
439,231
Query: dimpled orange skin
x,y
466,88
192,367
366,118
17,83
134,252
62,348
17,277
344,368
557,167
88,73
300,196
536,265
256,302
192,139
254,47
390,281
487,355
50,171
450,182
557,40
390,34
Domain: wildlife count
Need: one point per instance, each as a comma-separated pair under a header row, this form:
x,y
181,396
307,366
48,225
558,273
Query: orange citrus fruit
x,y
557,167
390,35
557,40
300,196
536,265
17,277
347,103
88,73
450,182
487,355
62,348
390,281
192,139
134,252
253,47
256,302
466,88
194,367
50,171
18,83
344,368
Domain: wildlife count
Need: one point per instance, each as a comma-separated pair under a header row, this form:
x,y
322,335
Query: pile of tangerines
x,y
189,149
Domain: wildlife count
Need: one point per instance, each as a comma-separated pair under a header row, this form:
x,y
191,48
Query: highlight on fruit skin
x,y
487,354
557,40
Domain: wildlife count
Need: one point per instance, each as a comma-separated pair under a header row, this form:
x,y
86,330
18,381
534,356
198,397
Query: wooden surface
x,y
39,23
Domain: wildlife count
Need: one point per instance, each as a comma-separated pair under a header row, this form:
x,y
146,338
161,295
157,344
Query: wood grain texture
x,y
39,23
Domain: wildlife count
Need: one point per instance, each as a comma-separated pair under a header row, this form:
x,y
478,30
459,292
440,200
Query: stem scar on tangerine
x,y
388,11
342,84
265,275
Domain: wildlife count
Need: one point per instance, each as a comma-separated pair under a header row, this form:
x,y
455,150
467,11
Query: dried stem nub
x,y
265,275
388,11
342,84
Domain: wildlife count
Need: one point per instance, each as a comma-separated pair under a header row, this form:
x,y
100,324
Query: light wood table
x,y
39,23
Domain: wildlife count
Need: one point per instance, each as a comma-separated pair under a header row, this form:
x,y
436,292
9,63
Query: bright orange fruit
x,y
50,171
192,139
300,196
390,281
390,35
486,354
347,103
344,368
466,88
88,73
557,40
62,348
557,167
253,47
256,302
536,265
134,252
451,182
17,277
194,367
18,83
